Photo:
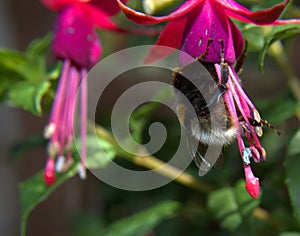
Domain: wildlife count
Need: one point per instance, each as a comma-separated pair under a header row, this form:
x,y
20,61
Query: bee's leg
x,y
223,67
202,57
222,86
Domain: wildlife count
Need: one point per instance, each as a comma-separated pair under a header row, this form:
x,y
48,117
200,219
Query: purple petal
x,y
210,22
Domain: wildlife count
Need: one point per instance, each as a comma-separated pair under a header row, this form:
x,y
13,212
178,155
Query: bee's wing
x,y
203,156
220,160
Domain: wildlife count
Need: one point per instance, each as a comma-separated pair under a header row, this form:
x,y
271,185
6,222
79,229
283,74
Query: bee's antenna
x,y
266,123
258,122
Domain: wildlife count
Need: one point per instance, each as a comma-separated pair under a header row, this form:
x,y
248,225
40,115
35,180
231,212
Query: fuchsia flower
x,y
197,21
77,44
198,27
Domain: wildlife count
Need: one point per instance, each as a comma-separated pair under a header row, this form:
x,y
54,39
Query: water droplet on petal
x,y
199,42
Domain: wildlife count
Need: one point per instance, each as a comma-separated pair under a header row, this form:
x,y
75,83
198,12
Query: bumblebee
x,y
202,112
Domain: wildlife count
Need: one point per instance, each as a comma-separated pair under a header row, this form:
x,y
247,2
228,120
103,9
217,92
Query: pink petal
x,y
144,19
238,40
167,38
103,7
100,18
263,17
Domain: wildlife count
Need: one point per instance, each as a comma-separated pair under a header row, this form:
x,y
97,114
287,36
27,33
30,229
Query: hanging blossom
x,y
203,29
78,46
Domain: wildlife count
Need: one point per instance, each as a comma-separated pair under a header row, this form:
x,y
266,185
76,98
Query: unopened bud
x,y
252,183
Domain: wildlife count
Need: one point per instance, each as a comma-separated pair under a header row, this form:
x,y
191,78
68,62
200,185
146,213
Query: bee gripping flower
x,y
77,44
204,30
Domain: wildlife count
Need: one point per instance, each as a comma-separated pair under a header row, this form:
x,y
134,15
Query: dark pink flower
x,y
77,44
195,22
75,37
203,30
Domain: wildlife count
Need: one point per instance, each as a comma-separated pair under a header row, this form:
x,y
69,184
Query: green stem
x,y
171,172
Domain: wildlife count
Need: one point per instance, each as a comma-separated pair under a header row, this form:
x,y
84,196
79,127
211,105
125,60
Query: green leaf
x,y
254,36
29,65
87,224
279,33
7,80
290,234
28,95
143,222
34,190
39,47
231,205
292,181
15,61
294,147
